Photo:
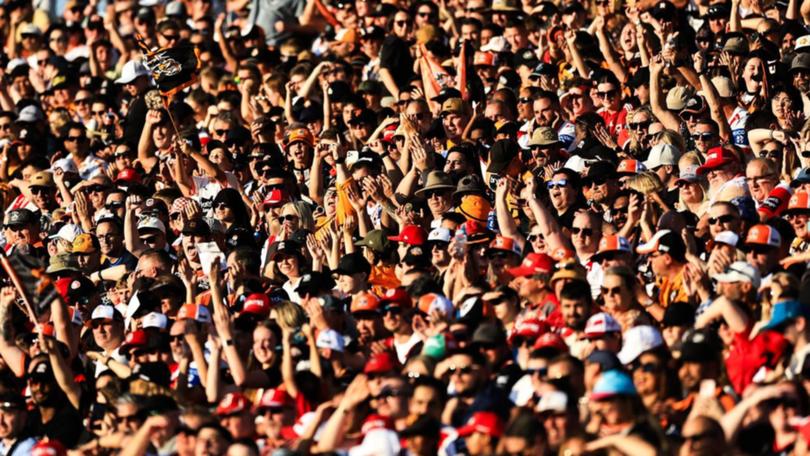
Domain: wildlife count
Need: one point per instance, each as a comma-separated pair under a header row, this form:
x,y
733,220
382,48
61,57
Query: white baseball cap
x,y
600,324
68,232
154,320
740,271
662,155
637,340
104,312
151,223
727,237
439,234
132,70
331,339
552,401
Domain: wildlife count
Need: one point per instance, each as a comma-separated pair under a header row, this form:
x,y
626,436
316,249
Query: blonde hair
x,y
645,183
673,138
290,315
304,213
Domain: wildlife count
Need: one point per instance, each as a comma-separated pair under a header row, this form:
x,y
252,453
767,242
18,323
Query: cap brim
x,y
521,271
465,430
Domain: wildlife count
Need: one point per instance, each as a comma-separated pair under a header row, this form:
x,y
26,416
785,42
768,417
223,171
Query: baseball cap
x,y
677,97
552,401
504,244
274,398
638,340
232,404
717,157
664,241
446,93
376,240
85,243
528,329
784,311
613,383
501,155
154,320
763,235
195,312
803,177
475,207
534,263
679,314
48,448
42,179
353,263
740,271
18,217
662,154
489,334
134,339
429,302
550,342
600,324
365,302
606,360
410,234
105,312
151,223
379,363
487,423
331,339
727,237
544,137
300,135
453,106
688,174
699,346
132,70
396,297
315,282
257,304
612,243
799,203
439,234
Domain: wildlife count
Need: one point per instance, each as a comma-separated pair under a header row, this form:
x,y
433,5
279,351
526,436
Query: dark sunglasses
x,y
461,370
74,138
727,218
702,136
606,93
638,125
611,291
587,232
558,184
289,217
649,368
96,189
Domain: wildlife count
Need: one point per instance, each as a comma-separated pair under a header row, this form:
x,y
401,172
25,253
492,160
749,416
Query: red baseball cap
x,y
410,234
799,203
612,243
375,421
551,340
484,422
534,263
232,404
717,157
396,296
529,328
257,304
48,448
128,175
763,235
379,363
135,339
274,398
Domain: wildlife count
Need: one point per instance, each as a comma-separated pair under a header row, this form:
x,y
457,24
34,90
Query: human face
x,y
264,345
556,426
288,265
109,238
760,181
580,101
438,201
209,442
691,374
367,324
691,192
609,95
402,25
575,313
704,136
616,294
425,401
782,410
453,125
463,374
126,416
349,284
763,258
545,115
699,439
107,333
12,421
722,218
646,373
75,141
584,235
455,163
799,223
561,192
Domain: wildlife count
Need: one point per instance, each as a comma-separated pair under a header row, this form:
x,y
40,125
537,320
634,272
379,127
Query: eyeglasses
x,y
390,392
587,232
176,338
758,180
611,291
401,23
392,310
96,189
702,136
423,13
74,138
637,126
221,131
83,101
149,239
557,184
288,217
460,370
727,218
39,190
534,237
606,93
524,100
129,419
540,372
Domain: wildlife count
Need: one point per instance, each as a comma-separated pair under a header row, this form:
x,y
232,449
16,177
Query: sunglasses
x,y
689,116
497,256
615,291
114,206
534,237
702,136
649,368
149,239
401,23
638,126
74,138
392,310
557,184
727,218
177,338
96,189
461,370
760,249
287,218
83,101
606,93
540,372
221,131
601,180
587,232
423,13
118,155
524,100
770,153
40,190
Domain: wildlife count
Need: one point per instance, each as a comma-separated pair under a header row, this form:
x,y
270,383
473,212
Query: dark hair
x,y
577,290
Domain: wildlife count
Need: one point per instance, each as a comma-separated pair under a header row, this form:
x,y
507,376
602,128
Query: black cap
x,y
285,247
11,401
338,91
315,283
679,314
425,426
353,263
447,92
155,206
364,117
146,14
502,154
490,334
371,33
153,372
547,69
718,10
367,159
196,227
20,217
601,168
700,346
417,256
664,10
526,57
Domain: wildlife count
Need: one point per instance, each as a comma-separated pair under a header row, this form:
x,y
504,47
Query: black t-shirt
x,y
65,426
135,120
395,56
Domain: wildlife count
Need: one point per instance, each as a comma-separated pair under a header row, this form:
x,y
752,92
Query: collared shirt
x,y
18,447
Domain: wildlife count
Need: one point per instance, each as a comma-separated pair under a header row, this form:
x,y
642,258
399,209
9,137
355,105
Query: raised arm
x,y
712,97
505,221
132,241
13,356
657,96
548,224
61,370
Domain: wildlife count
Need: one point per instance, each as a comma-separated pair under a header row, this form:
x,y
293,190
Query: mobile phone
x,y
707,388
